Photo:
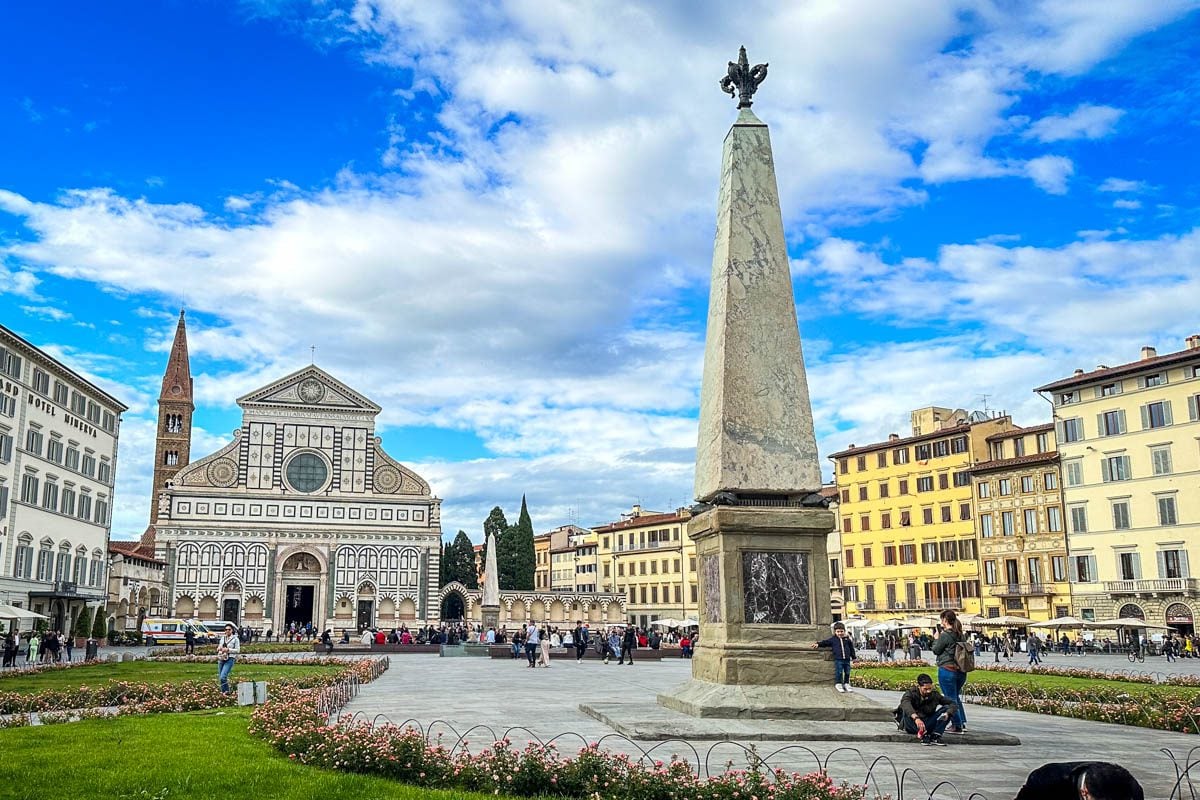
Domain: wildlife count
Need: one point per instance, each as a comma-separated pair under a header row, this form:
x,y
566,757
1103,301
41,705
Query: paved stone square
x,y
501,694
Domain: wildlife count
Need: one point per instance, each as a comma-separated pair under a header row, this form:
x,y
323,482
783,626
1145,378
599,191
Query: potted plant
x,y
83,627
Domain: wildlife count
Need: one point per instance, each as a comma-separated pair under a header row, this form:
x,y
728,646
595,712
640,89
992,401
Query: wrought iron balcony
x,y
1185,586
1022,590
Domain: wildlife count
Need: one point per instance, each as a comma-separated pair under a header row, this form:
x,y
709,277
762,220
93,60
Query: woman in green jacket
x,y
951,679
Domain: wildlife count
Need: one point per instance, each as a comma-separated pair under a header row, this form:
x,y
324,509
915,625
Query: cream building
x,y
58,453
1019,522
1129,440
303,517
648,557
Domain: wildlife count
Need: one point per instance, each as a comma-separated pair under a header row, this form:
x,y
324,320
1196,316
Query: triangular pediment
x,y
312,388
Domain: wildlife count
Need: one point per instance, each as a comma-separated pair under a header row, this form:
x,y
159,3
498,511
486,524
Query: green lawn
x,y
909,675
148,672
203,754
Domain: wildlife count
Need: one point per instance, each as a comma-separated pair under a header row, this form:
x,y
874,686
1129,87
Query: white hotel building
x,y
58,451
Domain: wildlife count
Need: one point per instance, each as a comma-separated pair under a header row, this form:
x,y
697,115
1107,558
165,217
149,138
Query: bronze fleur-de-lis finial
x,y
745,79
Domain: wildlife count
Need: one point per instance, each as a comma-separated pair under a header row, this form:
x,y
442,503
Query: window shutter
x,y
1193,407
1142,382
1126,471
1092,573
1137,566
1145,417
1167,417
1184,572
1062,437
1121,427
1100,425
1162,563
1105,472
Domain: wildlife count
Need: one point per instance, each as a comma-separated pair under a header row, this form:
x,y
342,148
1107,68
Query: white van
x,y
171,631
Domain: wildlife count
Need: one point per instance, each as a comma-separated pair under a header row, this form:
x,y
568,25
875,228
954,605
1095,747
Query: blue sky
x,y
496,220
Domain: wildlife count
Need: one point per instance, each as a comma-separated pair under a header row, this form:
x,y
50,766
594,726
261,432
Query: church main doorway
x,y
299,605
366,614
453,608
230,609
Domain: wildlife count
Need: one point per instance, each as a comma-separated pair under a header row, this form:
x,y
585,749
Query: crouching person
x,y
925,712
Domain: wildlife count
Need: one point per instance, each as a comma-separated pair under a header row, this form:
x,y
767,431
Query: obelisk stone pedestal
x,y
764,588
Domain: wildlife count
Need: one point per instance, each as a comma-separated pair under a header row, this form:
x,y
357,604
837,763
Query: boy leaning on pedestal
x,y
843,654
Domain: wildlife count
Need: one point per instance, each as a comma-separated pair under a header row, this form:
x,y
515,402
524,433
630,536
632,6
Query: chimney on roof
x,y
851,447
1102,366
1148,352
893,437
1193,342
1078,372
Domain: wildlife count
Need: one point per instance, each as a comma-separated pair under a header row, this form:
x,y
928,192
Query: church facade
x,y
302,517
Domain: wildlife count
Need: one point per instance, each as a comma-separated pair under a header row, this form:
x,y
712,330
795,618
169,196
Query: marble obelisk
x,y
760,538
490,607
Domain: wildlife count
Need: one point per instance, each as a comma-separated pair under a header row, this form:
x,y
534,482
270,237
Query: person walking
x,y
1034,647
544,644
189,640
531,644
628,644
228,647
31,655
951,678
580,638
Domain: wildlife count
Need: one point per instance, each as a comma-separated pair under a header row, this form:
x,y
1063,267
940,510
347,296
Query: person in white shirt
x,y
531,644
228,647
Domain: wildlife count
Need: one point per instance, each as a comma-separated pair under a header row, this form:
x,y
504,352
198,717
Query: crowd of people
x,y
50,647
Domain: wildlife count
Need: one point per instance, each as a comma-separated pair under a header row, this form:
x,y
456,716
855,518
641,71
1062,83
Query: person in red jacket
x,y
843,653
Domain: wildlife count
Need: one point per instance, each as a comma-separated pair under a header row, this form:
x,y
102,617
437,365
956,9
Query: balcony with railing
x,y
1185,586
1022,590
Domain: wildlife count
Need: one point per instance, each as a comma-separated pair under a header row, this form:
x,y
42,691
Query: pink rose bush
x,y
293,722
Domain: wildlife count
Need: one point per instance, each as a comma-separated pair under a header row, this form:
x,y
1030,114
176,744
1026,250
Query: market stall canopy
x,y
922,621
1061,622
885,625
688,623
665,622
856,623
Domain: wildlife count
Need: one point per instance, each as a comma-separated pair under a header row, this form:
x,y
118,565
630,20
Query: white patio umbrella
x,y
1061,622
12,612
1005,621
921,621
666,622
855,623
1124,622
885,625
688,623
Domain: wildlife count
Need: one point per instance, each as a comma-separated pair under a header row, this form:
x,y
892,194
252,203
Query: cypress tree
x,y
523,558
83,625
100,625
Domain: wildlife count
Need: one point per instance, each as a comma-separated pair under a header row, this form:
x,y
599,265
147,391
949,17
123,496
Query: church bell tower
x,y
173,438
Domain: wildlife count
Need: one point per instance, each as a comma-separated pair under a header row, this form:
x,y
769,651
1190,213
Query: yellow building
x,y
1019,522
541,562
905,506
833,546
1127,437
648,557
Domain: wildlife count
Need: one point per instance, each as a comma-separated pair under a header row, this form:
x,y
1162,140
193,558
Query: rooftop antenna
x,y
984,398
313,354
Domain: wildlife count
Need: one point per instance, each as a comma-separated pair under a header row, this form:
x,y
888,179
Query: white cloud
x,y
47,312
1085,122
1127,204
1121,185
1050,173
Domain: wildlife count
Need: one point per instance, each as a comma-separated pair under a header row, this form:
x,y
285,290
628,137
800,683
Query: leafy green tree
x,y
496,525
83,625
462,559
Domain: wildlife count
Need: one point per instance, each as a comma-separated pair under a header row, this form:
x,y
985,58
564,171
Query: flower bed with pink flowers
x,y
138,697
293,723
